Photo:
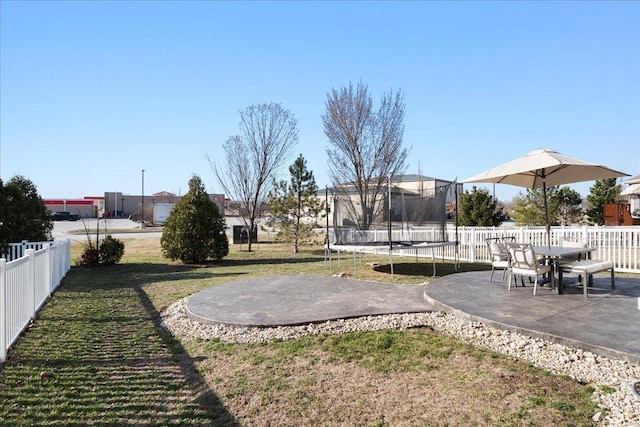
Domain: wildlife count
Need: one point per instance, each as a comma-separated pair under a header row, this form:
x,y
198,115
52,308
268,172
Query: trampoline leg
x,y
391,263
433,261
327,258
355,270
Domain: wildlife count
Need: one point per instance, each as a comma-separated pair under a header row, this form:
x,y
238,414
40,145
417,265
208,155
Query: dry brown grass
x,y
314,384
394,378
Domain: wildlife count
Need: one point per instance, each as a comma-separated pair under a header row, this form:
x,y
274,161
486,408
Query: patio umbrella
x,y
542,168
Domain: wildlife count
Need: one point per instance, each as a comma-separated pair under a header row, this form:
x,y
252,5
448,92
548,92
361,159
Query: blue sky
x,y
93,92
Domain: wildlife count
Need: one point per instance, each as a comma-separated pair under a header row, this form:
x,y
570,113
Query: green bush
x,y
90,257
111,251
194,231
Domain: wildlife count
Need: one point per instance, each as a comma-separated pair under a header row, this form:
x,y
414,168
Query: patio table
x,y
554,254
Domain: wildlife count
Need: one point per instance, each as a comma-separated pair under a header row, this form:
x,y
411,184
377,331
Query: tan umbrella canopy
x,y
542,168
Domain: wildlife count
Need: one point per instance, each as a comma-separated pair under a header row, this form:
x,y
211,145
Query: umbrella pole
x,y
546,213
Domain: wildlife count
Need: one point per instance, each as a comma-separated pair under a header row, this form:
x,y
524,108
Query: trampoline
x,y
401,250
402,221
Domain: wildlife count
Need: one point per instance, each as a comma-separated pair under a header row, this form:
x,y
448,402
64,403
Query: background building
x,y
88,207
117,205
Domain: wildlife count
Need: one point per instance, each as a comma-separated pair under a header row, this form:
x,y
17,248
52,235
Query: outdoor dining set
x,y
548,262
543,168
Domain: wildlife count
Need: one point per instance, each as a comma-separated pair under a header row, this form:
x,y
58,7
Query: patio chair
x,y
567,260
525,263
499,256
568,243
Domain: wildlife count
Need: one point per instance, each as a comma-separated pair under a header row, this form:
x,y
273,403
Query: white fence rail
x,y
26,282
618,244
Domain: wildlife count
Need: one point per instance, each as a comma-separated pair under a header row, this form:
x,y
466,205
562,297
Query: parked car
x,y
64,216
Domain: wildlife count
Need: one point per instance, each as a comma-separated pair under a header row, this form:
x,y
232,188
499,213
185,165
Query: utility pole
x,y
142,203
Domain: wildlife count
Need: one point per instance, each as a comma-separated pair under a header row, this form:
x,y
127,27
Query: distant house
x,y
627,210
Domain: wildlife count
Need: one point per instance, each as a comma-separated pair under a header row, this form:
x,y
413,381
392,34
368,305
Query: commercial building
x,y
117,205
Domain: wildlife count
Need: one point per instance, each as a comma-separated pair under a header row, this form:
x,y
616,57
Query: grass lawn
x,y
97,356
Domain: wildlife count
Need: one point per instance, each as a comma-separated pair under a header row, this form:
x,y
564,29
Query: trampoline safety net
x,y
412,216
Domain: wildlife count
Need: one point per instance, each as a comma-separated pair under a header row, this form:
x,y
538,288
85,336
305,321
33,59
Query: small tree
x,y
563,204
478,209
194,230
251,159
602,192
23,215
528,207
294,201
569,206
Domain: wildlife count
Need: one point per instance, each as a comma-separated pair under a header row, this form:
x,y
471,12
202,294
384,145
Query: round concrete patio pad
x,y
608,322
302,299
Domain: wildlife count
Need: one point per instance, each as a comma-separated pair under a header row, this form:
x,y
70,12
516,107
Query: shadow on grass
x,y
139,274
268,261
206,398
97,353
426,268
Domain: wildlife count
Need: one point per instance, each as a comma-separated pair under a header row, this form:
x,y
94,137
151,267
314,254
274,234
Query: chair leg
x,y
492,270
559,279
585,286
510,278
535,285
613,280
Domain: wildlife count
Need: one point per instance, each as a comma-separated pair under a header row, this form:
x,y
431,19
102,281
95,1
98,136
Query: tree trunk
x,y
249,240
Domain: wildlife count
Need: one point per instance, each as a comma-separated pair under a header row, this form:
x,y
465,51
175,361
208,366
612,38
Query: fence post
x,y
55,264
31,281
48,266
68,260
23,248
584,233
473,244
3,309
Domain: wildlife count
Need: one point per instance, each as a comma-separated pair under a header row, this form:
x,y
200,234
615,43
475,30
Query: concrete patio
x,y
607,323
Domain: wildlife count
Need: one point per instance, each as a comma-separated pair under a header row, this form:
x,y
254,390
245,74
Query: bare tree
x,y
365,147
247,170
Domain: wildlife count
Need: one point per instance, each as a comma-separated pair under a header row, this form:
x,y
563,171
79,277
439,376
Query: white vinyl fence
x,y
28,276
618,244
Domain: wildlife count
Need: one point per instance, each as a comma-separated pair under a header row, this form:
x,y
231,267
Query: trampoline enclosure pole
x,y
389,227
